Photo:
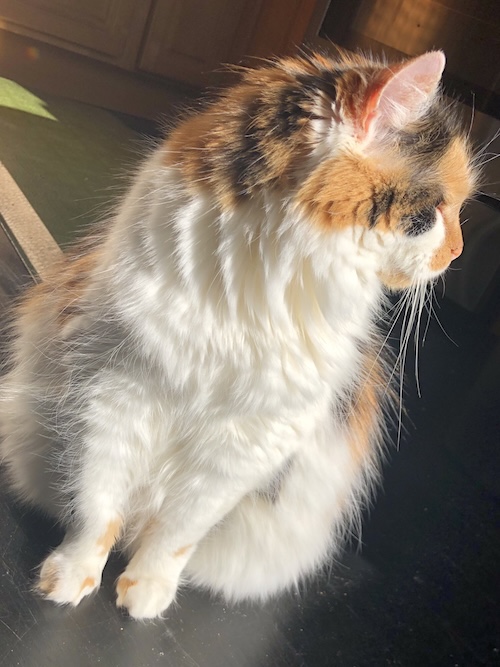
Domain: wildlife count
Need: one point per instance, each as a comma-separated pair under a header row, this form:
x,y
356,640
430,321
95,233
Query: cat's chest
x,y
255,346
231,370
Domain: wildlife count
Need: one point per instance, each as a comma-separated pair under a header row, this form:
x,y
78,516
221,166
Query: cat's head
x,y
360,144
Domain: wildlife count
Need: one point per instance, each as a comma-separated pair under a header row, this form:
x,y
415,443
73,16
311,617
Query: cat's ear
x,y
401,95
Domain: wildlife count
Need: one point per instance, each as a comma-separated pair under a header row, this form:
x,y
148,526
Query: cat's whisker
x,y
472,115
398,308
485,146
404,303
439,321
429,298
407,327
423,291
490,158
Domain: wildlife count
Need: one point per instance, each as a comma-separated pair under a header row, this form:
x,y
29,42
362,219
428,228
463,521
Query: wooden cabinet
x,y
192,40
188,40
145,41
110,30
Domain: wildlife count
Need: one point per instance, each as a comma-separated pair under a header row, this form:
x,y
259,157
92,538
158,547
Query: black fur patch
x,y
289,112
381,204
324,82
421,222
429,138
247,160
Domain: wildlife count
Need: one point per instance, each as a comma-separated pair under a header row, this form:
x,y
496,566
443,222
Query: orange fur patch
x,y
88,582
458,180
36,301
339,193
233,145
50,578
75,280
182,551
453,240
124,583
187,145
365,411
395,281
61,293
456,173
107,540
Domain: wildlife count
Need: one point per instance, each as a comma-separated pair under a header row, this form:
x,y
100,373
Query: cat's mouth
x,y
399,280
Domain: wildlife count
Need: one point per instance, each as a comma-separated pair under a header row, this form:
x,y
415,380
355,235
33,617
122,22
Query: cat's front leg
x,y
199,495
100,486
148,585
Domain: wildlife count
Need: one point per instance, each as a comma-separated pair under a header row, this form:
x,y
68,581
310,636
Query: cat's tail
x,y
270,542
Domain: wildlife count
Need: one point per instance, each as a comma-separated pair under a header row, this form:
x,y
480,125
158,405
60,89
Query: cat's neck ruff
x,y
253,289
262,262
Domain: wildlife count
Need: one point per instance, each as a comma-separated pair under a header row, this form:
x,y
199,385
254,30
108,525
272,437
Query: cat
x,y
205,386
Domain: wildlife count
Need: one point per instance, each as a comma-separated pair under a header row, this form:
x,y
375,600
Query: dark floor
x,y
423,591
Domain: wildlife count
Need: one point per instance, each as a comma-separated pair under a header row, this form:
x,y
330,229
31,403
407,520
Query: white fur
x,y
204,364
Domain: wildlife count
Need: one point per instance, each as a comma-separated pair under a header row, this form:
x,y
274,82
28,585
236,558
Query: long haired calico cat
x,y
205,386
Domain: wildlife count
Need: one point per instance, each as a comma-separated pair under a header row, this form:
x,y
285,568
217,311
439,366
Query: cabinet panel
x,y
113,28
189,39
282,26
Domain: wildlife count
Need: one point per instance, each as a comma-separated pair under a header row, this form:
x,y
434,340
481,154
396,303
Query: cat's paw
x,y
144,597
67,581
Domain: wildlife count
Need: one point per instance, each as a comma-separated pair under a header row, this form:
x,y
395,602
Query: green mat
x,y
70,160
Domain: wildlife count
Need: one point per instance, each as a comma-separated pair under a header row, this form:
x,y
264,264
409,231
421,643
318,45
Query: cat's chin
x,y
395,282
399,281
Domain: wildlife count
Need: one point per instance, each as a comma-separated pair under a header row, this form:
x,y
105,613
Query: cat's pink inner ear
x,y
406,93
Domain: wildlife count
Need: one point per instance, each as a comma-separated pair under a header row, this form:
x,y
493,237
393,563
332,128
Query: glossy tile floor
x,y
423,590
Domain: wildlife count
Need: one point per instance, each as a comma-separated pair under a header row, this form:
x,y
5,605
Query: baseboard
x,y
26,229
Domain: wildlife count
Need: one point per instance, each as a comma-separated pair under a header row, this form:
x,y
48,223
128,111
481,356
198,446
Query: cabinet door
x,y
108,29
189,39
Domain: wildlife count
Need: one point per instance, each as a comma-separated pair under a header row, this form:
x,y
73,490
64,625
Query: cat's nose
x,y
456,251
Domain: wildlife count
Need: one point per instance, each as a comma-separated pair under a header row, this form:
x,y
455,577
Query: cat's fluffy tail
x,y
268,544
